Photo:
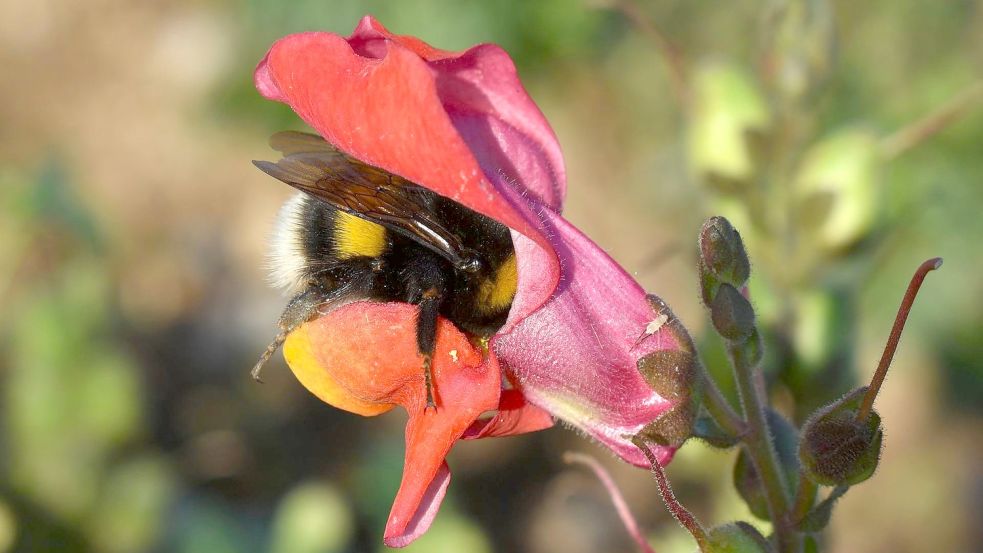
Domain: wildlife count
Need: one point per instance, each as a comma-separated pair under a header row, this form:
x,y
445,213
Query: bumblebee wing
x,y
295,142
311,165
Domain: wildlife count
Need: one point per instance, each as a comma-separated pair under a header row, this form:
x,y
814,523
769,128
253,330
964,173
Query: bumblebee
x,y
356,232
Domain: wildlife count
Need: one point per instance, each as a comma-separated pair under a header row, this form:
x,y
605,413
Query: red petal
x,y
514,416
385,112
462,126
400,533
364,357
482,94
463,393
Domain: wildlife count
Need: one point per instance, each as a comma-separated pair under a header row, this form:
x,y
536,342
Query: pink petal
x,y
576,356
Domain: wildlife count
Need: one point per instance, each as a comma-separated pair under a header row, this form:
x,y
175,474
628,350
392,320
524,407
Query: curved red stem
x,y
895,337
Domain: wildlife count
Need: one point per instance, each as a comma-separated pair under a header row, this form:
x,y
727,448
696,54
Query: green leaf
x,y
819,516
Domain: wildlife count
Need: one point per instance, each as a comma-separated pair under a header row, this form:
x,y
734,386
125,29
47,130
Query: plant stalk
x,y
805,498
719,408
758,444
678,511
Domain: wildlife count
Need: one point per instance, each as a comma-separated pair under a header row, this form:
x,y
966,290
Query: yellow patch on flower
x,y
300,353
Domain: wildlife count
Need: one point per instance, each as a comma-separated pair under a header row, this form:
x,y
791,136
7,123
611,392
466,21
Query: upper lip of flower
x,y
462,125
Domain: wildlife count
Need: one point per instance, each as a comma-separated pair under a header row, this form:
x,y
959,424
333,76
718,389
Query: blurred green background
x,y
844,139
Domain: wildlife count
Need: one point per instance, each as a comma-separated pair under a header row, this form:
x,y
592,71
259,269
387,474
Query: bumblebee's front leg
x,y
301,308
352,281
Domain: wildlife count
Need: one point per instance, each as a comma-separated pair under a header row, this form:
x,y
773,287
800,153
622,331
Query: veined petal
x,y
577,356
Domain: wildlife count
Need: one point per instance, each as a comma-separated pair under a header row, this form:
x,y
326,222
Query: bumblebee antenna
x,y
270,350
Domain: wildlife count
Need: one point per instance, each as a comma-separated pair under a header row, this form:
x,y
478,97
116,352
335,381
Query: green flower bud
x,y
802,43
837,188
732,314
746,478
736,537
727,107
837,450
722,254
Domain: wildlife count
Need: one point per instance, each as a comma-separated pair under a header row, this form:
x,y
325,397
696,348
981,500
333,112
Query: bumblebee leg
x,y
301,308
426,337
352,281
424,278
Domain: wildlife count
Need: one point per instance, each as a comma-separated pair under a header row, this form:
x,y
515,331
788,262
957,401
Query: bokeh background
x,y
844,139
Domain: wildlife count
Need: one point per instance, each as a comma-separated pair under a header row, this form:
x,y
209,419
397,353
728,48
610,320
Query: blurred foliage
x,y
131,226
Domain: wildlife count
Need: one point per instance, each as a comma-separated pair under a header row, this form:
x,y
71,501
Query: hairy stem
x,y
676,508
805,498
758,444
670,53
719,408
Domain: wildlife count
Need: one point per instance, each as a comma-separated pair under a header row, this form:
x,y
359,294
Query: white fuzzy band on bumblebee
x,y
285,258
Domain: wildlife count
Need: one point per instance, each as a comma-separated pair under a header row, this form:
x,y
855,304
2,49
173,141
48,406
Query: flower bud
x,y
727,108
736,537
802,46
723,258
732,314
746,478
840,174
837,450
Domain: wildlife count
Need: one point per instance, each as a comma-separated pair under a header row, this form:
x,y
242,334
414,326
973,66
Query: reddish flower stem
x,y
921,130
676,508
619,501
895,336
673,57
